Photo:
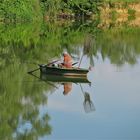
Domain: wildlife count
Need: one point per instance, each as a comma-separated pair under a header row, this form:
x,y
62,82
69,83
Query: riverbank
x,y
109,12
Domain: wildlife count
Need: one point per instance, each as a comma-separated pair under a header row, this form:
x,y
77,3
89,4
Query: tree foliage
x,y
28,10
17,10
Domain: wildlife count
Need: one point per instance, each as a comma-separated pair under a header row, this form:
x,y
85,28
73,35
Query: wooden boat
x,y
75,72
63,79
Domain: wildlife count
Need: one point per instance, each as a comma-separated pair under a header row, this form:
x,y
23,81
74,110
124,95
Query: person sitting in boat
x,y
67,88
67,61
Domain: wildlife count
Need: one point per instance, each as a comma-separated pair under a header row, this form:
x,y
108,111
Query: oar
x,y
33,70
74,63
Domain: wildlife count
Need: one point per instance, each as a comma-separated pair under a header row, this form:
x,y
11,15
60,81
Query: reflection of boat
x,y
66,82
59,78
77,72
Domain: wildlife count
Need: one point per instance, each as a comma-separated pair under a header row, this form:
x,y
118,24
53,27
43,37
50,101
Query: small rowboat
x,y
74,72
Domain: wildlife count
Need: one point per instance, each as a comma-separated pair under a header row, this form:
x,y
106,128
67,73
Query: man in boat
x,y
67,61
67,88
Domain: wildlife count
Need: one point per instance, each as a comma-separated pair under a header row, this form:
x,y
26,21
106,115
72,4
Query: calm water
x,y
34,109
115,94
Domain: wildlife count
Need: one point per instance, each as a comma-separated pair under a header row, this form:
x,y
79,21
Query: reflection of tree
x,y
120,46
89,48
19,104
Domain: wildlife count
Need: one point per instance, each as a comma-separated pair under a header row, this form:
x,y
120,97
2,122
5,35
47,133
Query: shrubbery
x,y
19,10
28,10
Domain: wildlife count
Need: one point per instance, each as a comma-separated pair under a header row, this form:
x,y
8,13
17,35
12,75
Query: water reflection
x,y
88,104
56,81
20,100
67,88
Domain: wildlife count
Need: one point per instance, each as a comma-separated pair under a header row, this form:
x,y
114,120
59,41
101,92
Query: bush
x,y
19,10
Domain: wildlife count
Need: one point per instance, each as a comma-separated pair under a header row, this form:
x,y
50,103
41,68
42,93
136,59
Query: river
x,y
31,108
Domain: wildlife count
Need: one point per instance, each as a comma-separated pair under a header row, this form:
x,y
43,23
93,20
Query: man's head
x,y
65,53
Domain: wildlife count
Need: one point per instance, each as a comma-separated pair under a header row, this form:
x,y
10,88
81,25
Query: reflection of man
x,y
67,88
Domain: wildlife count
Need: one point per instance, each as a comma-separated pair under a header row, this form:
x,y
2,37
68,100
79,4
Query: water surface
x,y
34,109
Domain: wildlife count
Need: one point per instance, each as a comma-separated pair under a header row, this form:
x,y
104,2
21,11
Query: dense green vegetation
x,y
25,10
16,10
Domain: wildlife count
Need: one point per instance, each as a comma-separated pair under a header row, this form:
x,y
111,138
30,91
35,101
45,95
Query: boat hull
x,y
78,72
